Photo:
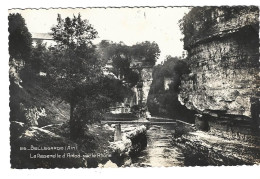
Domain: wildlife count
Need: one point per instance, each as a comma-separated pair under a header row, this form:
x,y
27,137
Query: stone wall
x,y
224,81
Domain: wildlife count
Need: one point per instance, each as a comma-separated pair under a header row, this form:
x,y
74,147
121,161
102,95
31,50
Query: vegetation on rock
x,y
164,102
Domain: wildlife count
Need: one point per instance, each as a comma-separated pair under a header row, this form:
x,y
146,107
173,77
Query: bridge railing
x,y
138,122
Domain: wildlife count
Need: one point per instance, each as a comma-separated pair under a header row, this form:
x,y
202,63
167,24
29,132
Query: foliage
x,y
20,39
146,51
40,56
73,62
20,47
198,22
163,102
118,55
75,73
121,56
172,68
201,21
73,33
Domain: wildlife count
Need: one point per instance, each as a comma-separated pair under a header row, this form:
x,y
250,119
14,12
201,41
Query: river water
x,y
159,151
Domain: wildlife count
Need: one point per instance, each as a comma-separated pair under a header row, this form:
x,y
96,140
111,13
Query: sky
x,y
129,25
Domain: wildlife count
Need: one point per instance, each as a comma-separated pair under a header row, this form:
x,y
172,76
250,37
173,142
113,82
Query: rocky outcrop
x,y
212,148
146,80
203,149
223,54
126,145
139,92
133,141
33,114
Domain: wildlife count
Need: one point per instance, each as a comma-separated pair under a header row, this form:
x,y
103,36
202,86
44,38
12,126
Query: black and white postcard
x,y
117,87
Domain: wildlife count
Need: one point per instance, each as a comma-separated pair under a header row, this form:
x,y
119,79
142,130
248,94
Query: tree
x,y
75,74
122,56
146,51
20,44
20,39
40,56
119,55
74,69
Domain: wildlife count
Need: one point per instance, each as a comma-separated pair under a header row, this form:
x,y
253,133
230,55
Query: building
x,y
44,37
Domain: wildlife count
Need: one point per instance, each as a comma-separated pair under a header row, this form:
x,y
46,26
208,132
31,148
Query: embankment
x,y
202,148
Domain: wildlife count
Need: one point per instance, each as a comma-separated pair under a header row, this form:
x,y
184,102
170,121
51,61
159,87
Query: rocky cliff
x,y
141,90
223,53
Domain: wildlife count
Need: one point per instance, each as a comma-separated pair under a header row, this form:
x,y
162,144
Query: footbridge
x,y
138,122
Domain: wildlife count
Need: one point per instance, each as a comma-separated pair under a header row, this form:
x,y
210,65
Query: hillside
x,y
39,119
33,103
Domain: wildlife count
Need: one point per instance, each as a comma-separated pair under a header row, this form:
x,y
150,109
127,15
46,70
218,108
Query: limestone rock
x,y
202,148
224,80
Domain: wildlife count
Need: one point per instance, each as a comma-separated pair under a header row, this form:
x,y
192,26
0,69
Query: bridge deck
x,y
137,122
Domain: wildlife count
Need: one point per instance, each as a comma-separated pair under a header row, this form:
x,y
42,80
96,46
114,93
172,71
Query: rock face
x,y
146,78
140,91
223,52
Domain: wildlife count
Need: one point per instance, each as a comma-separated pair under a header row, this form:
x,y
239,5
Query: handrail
x,y
136,122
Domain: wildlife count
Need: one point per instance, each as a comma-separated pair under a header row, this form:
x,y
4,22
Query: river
x,y
159,151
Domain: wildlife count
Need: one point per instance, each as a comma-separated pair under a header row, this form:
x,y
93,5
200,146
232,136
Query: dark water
x,y
159,151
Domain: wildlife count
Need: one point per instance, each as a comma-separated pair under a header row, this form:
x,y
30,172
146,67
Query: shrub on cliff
x,y
201,22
